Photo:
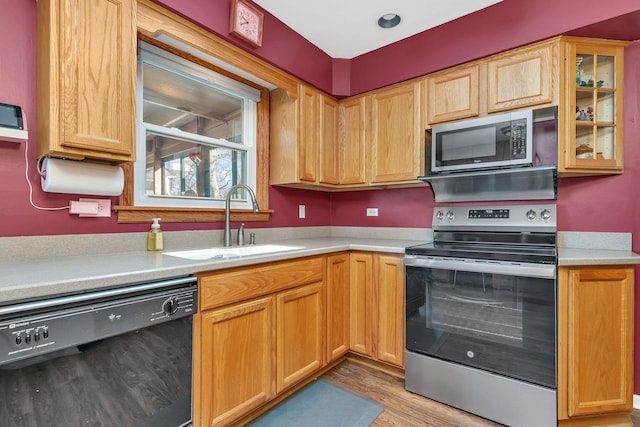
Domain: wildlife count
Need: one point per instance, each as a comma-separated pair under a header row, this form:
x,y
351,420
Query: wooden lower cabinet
x,y
263,329
377,306
337,306
595,346
237,360
361,300
300,324
390,306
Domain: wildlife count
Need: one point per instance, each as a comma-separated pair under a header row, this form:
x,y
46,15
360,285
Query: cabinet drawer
x,y
228,286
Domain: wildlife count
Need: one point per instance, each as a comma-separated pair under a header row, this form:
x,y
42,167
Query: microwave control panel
x,y
519,139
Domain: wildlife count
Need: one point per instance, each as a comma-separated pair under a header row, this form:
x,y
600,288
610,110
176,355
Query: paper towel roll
x,y
76,177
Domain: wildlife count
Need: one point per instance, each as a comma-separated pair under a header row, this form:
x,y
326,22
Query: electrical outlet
x,y
372,211
103,209
301,211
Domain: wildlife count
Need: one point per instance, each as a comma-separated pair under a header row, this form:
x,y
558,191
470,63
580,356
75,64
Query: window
x,y
196,134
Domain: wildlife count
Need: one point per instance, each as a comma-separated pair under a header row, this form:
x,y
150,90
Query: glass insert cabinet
x,y
593,121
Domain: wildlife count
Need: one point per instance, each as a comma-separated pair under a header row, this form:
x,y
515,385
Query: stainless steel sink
x,y
231,252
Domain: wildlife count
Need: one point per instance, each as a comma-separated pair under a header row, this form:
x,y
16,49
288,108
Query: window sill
x,y
140,214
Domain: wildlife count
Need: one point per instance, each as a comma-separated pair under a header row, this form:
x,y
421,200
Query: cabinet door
x,y
328,141
361,303
396,136
351,137
521,79
237,360
337,289
86,78
593,114
300,325
453,95
390,307
308,134
595,341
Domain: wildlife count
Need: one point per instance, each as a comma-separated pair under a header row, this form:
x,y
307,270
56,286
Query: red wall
x,y
505,25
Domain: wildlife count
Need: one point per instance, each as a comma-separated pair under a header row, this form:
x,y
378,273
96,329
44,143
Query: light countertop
x,y
31,278
578,256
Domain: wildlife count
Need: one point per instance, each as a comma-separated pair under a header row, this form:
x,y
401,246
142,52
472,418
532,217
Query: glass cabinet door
x,y
595,111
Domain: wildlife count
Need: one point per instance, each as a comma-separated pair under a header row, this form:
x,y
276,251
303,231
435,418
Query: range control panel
x,y
489,213
520,217
43,332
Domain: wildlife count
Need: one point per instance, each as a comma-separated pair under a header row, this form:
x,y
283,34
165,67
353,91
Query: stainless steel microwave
x,y
498,141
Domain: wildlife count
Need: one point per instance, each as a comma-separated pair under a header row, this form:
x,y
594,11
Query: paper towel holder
x,y
80,177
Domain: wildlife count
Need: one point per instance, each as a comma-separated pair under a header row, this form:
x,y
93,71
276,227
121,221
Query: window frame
x,y
152,56
129,213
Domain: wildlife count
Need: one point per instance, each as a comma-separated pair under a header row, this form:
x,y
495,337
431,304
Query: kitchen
x,y
584,204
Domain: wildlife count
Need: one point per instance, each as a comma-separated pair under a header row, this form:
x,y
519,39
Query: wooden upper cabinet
x,y
328,170
303,133
86,79
308,136
352,141
595,343
453,94
522,79
591,120
396,136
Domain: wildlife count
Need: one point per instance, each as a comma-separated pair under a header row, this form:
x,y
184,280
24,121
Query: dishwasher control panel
x,y
45,331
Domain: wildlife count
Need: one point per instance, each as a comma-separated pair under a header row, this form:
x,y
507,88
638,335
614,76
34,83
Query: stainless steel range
x,y
481,313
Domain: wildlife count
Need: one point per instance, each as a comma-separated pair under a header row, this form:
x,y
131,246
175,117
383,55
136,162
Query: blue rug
x,y
321,404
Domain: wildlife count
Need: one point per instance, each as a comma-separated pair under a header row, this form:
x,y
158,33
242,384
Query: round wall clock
x,y
246,22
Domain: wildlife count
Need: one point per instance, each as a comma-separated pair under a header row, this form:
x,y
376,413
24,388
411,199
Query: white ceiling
x,y
348,28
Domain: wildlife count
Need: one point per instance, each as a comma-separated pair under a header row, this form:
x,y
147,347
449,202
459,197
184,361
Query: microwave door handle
x,y
520,270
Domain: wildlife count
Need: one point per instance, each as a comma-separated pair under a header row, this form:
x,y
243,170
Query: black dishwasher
x,y
119,357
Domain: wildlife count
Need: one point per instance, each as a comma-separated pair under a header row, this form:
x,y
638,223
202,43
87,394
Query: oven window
x,y
140,378
503,324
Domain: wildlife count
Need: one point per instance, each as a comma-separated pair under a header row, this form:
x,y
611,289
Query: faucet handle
x,y
241,235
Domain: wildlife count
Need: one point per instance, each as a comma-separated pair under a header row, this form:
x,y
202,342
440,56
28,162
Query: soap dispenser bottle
x,y
154,237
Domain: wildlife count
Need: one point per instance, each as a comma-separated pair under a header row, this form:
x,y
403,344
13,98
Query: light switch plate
x,y
301,211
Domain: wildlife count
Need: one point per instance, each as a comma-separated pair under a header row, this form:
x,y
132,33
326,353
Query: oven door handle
x,y
512,269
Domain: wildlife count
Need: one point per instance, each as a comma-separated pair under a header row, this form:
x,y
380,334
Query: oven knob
x,y
45,334
439,215
545,214
531,215
18,340
450,215
170,306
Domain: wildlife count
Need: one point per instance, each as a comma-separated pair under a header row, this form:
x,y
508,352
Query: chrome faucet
x,y
227,212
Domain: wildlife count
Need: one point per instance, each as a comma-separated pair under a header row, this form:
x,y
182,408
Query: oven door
x,y
492,316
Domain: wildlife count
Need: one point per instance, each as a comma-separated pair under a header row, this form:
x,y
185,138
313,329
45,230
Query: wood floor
x,y
402,408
